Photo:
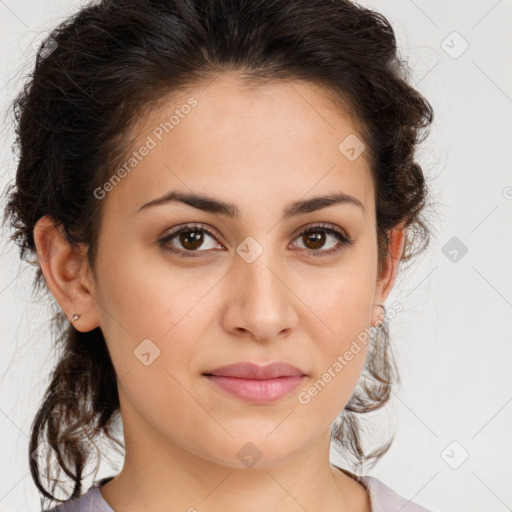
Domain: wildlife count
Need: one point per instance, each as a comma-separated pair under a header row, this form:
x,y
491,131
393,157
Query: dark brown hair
x,y
106,65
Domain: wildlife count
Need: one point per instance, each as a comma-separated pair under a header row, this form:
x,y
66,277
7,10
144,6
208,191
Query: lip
x,y
257,384
249,370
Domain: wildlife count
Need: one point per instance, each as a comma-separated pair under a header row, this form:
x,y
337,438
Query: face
x,y
251,286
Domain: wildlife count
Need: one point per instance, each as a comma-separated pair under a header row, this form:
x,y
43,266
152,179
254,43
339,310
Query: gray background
x,y
453,343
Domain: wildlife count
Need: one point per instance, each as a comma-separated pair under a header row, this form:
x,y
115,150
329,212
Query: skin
x,y
259,148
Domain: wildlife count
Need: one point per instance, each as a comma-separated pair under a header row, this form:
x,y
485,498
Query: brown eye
x,y
316,237
314,240
191,240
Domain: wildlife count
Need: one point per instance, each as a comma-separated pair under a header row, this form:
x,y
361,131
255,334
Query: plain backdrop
x,y
452,413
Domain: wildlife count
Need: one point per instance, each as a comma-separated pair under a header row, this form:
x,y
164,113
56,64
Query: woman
x,y
220,194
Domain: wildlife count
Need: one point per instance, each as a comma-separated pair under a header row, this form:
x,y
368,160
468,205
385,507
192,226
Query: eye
x,y
192,236
315,237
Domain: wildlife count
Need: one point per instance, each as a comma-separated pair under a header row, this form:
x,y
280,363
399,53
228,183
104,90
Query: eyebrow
x,y
211,205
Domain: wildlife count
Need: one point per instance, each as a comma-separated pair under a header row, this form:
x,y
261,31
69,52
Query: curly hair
x,y
94,76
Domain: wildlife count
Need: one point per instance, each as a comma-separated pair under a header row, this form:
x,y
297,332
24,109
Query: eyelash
x,y
344,241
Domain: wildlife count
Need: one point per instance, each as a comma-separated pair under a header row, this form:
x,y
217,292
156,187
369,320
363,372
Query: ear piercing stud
x,y
384,309
76,316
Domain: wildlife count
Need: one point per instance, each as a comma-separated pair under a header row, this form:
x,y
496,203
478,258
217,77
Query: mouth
x,y
257,384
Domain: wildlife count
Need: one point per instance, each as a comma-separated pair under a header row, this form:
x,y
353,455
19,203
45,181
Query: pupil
x,y
191,239
318,240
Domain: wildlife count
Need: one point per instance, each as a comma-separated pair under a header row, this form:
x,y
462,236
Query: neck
x,y
158,473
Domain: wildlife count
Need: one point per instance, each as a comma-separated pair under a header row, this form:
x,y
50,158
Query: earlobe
x,y
61,266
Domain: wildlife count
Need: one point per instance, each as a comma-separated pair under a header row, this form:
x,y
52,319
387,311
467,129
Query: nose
x,y
261,301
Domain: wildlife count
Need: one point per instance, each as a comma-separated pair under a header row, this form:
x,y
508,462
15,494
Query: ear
x,y
66,273
386,281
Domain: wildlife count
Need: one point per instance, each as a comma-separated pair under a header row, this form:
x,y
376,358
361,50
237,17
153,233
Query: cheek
x,y
146,294
339,329
339,354
340,299
150,330
146,312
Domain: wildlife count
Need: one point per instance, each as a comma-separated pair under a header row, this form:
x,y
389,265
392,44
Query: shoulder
x,y
91,501
384,499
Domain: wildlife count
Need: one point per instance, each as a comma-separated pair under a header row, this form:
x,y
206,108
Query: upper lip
x,y
253,371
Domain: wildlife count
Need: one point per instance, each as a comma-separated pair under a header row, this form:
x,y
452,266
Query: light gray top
x,y
382,499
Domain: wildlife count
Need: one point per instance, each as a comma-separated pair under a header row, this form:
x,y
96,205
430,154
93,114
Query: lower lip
x,y
257,391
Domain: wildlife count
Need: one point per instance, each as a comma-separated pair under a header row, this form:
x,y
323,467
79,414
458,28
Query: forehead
x,y
274,141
